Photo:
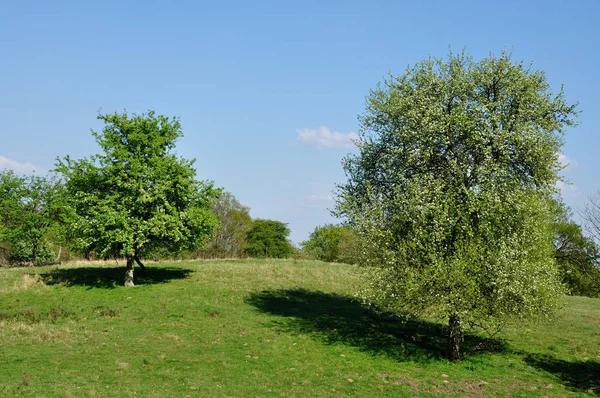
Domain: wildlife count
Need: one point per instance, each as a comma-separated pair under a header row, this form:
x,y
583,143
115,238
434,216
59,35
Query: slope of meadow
x,y
262,328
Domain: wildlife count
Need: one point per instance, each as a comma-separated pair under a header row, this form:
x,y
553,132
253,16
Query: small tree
x,y
137,196
229,239
451,188
268,239
32,208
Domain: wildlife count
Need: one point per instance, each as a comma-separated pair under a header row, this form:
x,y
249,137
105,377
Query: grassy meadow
x,y
262,328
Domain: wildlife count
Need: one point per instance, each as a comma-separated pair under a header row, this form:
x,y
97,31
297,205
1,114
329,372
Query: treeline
x,y
239,236
577,255
135,199
35,215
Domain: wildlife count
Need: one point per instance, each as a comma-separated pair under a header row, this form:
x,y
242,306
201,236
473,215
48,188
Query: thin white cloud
x,y
319,198
567,163
19,167
568,190
323,138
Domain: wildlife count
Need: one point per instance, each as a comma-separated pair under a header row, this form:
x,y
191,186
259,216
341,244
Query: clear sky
x,y
268,92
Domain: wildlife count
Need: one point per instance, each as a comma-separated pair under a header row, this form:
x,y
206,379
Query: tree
x,y
137,196
591,217
578,259
268,239
32,209
10,202
450,192
332,243
229,239
323,242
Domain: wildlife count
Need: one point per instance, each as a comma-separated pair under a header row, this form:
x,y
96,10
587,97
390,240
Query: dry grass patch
x,y
37,333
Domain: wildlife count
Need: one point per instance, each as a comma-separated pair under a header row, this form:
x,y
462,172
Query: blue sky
x,y
268,92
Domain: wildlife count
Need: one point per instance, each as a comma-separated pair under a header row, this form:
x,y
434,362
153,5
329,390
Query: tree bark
x,y
34,251
137,260
455,334
58,256
129,272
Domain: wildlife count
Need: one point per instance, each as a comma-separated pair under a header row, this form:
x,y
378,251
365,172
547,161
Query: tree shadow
x,y
110,277
577,376
340,319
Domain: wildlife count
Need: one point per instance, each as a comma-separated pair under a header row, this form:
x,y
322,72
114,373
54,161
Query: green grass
x,y
260,329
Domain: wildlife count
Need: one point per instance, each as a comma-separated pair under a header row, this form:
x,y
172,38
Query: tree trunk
x,y
34,252
129,272
455,334
58,255
137,260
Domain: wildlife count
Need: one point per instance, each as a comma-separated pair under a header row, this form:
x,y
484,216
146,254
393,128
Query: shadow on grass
x,y
577,376
340,319
109,278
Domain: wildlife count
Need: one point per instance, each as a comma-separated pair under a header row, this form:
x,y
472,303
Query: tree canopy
x,y
32,210
332,243
268,239
450,191
137,196
229,239
578,259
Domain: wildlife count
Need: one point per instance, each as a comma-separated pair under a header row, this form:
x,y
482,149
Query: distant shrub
x,y
268,239
332,243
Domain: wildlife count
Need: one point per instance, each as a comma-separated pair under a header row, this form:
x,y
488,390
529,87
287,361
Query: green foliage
x,y
137,196
450,192
577,256
323,242
268,239
331,243
22,251
32,214
229,239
